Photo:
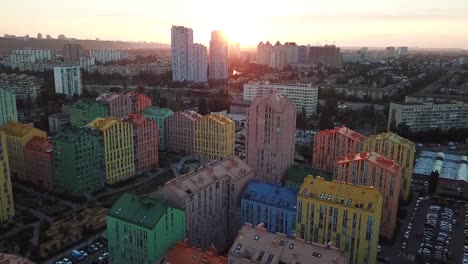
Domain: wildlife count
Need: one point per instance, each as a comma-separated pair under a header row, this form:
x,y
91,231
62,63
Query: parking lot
x,y
94,253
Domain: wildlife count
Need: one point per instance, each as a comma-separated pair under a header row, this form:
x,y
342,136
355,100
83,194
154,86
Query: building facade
x,y
159,115
304,96
138,102
214,137
199,61
142,230
21,56
108,55
331,144
145,143
264,53
58,122
17,136
373,169
396,148
68,80
117,142
180,129
7,206
271,136
86,62
328,55
84,111
118,105
210,198
72,52
343,215
78,161
271,205
13,259
8,111
218,56
182,53
182,252
22,85
38,154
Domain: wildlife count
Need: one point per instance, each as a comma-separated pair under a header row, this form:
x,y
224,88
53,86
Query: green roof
x,y
299,173
140,211
157,112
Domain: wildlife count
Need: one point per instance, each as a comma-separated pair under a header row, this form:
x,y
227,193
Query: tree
x,y
325,121
433,182
155,96
163,102
140,89
403,130
29,103
392,127
301,120
114,89
202,106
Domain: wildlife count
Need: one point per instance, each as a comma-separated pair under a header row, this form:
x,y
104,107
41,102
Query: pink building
x,y
372,169
331,144
38,162
139,102
145,139
180,128
118,105
271,136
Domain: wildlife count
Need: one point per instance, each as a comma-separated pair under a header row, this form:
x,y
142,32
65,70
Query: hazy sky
x,y
422,23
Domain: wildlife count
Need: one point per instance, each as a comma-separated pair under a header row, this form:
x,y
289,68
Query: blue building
x,y
272,205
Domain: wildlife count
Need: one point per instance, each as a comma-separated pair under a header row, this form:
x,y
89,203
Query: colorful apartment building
x,y
372,169
7,207
117,105
214,137
159,115
342,215
180,128
78,161
145,142
117,143
398,149
272,205
8,112
331,144
182,252
142,230
139,102
210,198
271,136
84,111
38,161
17,136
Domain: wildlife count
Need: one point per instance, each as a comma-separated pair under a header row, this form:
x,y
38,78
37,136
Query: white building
x,y
68,80
218,56
87,62
291,53
304,96
402,51
18,57
264,53
182,53
57,122
108,55
199,63
277,56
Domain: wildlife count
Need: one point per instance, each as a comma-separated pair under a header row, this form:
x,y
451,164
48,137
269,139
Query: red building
x,y
38,162
183,253
145,138
139,102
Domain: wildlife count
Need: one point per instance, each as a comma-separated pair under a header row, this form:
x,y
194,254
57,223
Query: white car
x,y
83,253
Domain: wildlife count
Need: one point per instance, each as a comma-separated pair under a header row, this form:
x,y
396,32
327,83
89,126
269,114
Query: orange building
x,y
372,169
38,162
182,253
331,144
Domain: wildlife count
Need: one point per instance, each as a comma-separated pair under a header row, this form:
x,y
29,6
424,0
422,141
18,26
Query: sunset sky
x,y
414,23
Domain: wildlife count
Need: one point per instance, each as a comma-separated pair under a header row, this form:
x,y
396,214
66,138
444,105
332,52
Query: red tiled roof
x,y
373,157
344,131
39,144
182,253
136,119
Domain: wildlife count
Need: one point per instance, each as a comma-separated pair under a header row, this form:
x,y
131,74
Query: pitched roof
x,y
392,137
183,253
274,99
223,120
157,111
136,119
373,157
343,131
103,124
39,144
17,129
271,195
192,115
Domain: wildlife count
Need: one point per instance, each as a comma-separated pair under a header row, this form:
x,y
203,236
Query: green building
x,y
84,111
296,174
78,161
159,115
141,229
8,110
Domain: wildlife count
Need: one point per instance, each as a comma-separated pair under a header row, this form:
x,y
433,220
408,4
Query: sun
x,y
245,32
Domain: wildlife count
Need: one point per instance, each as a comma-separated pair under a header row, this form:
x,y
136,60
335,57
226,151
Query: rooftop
x,y
392,137
270,194
39,144
140,211
192,115
135,119
257,245
299,173
18,129
107,97
343,131
103,124
157,111
220,119
449,166
335,192
373,157
182,253
275,100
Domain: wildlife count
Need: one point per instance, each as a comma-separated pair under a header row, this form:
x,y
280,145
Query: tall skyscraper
x,y
72,52
68,80
218,56
199,63
271,126
234,51
264,53
182,53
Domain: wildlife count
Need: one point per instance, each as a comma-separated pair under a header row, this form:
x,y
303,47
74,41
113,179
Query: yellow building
x,y
17,135
214,137
346,216
398,149
7,207
117,140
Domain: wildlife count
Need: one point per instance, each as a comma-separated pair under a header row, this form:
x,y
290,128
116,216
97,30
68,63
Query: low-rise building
x,y
58,122
182,252
38,161
180,128
214,137
84,111
159,115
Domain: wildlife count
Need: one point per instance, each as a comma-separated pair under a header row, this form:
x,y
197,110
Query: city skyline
x,y
397,23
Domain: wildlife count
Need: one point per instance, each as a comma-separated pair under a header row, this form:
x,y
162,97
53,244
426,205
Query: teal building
x,y
159,115
8,110
84,111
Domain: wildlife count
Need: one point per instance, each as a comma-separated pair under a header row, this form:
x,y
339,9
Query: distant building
x,y
58,122
142,230
304,96
271,136
182,252
372,169
180,129
38,161
264,53
84,111
39,36
214,137
86,62
390,52
239,107
234,51
218,56
118,105
108,55
72,53
402,51
278,56
8,112
78,161
328,55
159,115
7,207
68,80
182,53
200,65
12,259
271,205
20,56
25,87
255,244
210,198
343,215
